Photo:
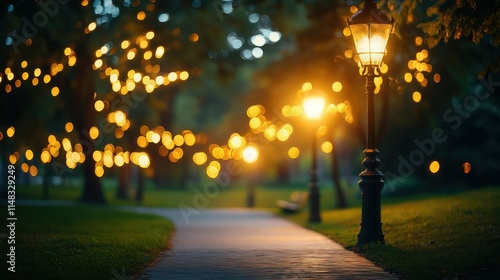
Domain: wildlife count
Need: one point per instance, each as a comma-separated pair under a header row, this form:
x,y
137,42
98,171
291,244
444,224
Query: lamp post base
x,y
314,216
371,184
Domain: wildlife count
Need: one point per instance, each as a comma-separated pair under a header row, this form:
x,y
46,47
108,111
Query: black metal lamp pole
x,y
313,104
372,180
314,216
371,30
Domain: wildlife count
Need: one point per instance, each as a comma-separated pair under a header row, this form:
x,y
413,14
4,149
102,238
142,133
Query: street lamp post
x,y
371,30
313,104
250,155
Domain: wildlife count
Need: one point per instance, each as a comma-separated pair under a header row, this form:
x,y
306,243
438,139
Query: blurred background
x,y
155,101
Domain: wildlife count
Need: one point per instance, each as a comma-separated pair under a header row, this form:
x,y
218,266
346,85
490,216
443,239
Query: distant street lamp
x,y
371,30
313,104
250,155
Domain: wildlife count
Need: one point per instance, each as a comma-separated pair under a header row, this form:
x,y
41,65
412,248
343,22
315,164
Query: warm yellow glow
x,y
178,140
236,141
434,167
370,41
131,54
120,118
348,53
25,75
99,105
47,78
45,157
250,154
155,137
33,171
212,171
97,156
349,118
148,55
346,32
217,152
68,127
11,131
137,77
125,44
194,37
253,111
270,133
143,44
159,51
200,158
408,77
437,78
418,41
104,49
51,139
54,91
306,87
12,159
141,15
467,167
296,111
119,160
99,171
92,26
37,72
71,61
417,96
337,86
150,35
142,142
326,147
98,63
189,139
254,123
66,144
184,75
384,68
28,154
177,153
293,152
420,77
313,106
282,135
94,132
24,64
143,160
172,76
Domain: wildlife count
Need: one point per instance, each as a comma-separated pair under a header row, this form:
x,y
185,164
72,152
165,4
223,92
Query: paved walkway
x,y
250,244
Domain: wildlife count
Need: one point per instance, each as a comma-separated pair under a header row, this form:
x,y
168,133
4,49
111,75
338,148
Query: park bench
x,y
297,200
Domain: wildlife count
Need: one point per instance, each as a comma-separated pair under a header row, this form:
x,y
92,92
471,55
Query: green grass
x,y
230,196
445,237
84,242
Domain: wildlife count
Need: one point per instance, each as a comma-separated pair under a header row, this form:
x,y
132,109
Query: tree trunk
x,y
123,182
82,89
340,199
140,186
46,183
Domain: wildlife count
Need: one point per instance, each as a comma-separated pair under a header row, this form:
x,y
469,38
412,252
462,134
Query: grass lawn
x,y
230,196
445,237
84,242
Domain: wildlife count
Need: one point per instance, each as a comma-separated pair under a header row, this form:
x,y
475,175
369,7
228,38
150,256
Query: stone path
x,y
251,244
